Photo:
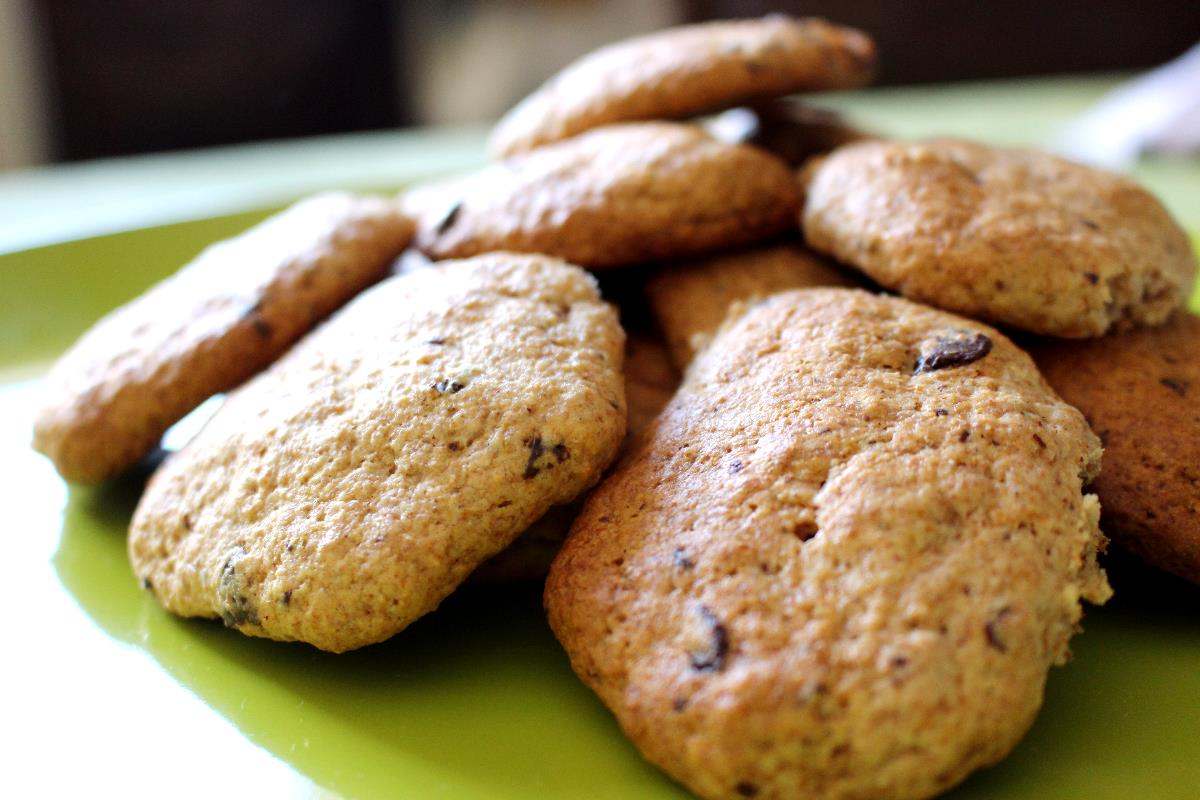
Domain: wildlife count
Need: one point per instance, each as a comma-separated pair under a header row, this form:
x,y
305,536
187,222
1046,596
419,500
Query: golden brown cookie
x,y
618,195
680,72
223,317
788,128
1141,393
1008,235
842,561
345,491
649,383
650,380
691,299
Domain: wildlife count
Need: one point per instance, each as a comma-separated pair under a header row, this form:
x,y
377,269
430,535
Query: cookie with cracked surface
x,y
231,311
688,70
1141,393
649,383
690,300
618,195
1008,235
843,560
347,490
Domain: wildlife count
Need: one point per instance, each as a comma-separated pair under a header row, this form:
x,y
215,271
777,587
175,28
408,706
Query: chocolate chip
x,y
1040,441
735,468
805,530
991,630
1177,386
448,386
239,612
954,351
1087,223
453,446
239,609
964,434
435,341
536,449
256,321
287,597
147,584
746,789
941,412
712,657
450,217
1092,278
681,559
261,327
187,522
679,704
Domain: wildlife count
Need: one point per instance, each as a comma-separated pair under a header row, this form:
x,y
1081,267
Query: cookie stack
x,y
837,561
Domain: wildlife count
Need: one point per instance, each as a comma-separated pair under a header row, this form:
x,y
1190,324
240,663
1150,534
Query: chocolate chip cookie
x,y
347,490
1008,235
618,195
1141,393
216,322
689,70
844,558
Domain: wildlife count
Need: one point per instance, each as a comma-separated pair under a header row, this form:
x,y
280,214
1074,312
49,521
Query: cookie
x,y
1141,393
689,70
788,128
1007,235
618,195
690,300
842,561
649,383
344,492
231,311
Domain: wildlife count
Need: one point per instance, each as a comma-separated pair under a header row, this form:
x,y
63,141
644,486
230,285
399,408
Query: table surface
x,y
58,203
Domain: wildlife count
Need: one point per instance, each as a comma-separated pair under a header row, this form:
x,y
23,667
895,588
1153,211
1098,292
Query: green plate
x,y
111,695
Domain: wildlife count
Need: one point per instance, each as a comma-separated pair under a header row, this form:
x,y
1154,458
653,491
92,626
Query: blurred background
x,y
82,79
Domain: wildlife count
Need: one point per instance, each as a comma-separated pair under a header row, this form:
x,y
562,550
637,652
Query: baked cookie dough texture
x,y
344,492
649,383
686,71
1008,235
222,318
691,299
619,195
1141,393
842,561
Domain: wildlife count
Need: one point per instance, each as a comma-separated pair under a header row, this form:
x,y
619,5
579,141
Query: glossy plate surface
x,y
105,694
